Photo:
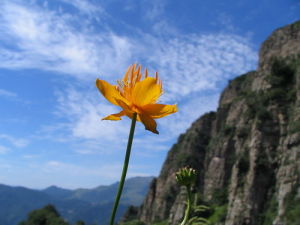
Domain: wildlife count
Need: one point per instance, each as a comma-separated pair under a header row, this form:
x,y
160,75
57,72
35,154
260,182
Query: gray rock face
x,y
247,151
163,190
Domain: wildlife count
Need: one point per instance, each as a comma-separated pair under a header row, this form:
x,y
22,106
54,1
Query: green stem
x,y
124,171
188,207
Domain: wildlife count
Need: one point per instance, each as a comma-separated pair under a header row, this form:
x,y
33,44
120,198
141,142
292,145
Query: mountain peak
x,y
89,205
247,153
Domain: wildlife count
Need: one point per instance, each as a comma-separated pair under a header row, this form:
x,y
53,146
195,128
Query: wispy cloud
x,y
30,156
193,67
40,173
189,111
201,62
85,6
188,64
107,173
84,110
3,149
154,9
79,47
17,142
49,40
8,94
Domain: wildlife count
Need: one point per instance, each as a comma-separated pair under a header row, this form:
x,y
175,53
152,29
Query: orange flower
x,y
137,94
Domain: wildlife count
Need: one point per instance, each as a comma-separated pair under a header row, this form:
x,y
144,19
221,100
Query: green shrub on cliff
x,y
292,207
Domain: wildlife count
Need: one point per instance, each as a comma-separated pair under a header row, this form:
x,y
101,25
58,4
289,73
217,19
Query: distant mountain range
x,y
90,205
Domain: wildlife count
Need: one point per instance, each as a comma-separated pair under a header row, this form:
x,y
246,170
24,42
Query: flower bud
x,y
186,176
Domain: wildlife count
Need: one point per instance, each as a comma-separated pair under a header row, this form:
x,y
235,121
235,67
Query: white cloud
x,y
40,174
107,173
225,20
3,149
154,9
48,40
162,27
189,110
17,142
85,6
8,94
200,62
30,156
5,166
84,111
12,96
189,65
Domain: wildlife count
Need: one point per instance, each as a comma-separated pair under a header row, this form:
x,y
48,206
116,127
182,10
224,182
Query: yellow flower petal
x,y
127,110
109,91
116,116
146,92
159,110
148,122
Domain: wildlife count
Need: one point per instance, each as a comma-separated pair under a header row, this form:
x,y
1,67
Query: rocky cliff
x,y
247,154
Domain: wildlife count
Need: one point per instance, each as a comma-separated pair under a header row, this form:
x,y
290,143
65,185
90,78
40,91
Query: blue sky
x,y
52,51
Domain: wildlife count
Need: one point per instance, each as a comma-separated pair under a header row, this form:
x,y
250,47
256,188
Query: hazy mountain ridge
x,y
91,205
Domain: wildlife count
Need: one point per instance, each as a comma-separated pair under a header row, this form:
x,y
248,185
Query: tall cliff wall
x,y
248,152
